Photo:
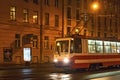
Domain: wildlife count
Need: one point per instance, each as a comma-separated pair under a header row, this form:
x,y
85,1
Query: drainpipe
x,y
41,29
62,18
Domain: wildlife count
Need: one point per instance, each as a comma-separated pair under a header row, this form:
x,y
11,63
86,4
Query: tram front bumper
x,y
62,64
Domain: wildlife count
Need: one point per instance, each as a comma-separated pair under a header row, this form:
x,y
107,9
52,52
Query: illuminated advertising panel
x,y
27,54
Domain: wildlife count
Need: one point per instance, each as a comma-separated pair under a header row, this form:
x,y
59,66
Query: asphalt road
x,y
49,72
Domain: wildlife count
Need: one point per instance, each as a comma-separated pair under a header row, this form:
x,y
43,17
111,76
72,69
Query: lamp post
x,y
95,6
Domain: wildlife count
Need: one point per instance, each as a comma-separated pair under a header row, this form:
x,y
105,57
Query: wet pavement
x,y
47,71
20,66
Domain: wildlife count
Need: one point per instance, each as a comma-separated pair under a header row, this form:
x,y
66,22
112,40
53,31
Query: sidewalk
x,y
22,66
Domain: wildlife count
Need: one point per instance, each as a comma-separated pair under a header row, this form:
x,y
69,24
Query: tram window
x,y
71,47
118,47
91,46
99,46
107,47
113,47
118,44
62,46
77,45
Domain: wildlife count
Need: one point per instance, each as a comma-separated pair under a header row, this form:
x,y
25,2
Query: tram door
x,y
27,54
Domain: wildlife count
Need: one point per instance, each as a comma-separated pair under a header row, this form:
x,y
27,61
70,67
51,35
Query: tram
x,y
78,52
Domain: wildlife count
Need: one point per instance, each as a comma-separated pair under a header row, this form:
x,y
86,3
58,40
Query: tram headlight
x,y
55,60
66,60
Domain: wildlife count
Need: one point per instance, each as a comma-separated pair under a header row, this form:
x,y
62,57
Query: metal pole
x,y
62,18
41,29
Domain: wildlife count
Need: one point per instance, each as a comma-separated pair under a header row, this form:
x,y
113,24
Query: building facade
x,y
51,26
28,28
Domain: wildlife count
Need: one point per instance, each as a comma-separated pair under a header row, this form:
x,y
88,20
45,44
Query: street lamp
x,y
95,6
77,30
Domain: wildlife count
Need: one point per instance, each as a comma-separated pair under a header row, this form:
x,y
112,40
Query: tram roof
x,y
96,38
89,37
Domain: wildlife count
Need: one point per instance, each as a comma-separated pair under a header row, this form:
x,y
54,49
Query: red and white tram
x,y
80,52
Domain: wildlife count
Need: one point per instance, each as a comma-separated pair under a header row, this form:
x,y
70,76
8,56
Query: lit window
x,y
99,46
91,46
12,13
107,47
35,17
113,47
118,47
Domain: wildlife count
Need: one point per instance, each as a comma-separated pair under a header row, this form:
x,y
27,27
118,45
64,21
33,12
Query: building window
x,y
92,33
13,13
68,12
46,18
46,42
35,1
17,40
85,3
105,22
56,3
77,3
68,22
68,30
98,34
69,2
35,17
46,2
35,41
99,25
77,14
25,15
105,35
85,32
111,24
92,22
56,20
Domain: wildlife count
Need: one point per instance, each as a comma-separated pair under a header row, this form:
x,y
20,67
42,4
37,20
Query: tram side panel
x,y
86,59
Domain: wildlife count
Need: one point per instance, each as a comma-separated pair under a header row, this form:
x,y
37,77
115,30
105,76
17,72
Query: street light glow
x,y
95,5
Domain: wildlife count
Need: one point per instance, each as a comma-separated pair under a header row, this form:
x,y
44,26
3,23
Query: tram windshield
x,y
69,46
62,46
